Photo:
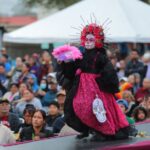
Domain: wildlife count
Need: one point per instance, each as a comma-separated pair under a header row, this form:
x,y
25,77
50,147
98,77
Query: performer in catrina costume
x,y
91,82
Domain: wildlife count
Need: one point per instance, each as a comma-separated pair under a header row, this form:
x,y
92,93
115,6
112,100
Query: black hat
x,y
4,100
54,103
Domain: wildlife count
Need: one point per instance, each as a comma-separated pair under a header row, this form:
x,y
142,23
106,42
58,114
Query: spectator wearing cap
x,y
3,77
6,135
122,80
12,93
50,94
51,76
27,98
123,104
4,60
32,82
53,113
61,96
7,118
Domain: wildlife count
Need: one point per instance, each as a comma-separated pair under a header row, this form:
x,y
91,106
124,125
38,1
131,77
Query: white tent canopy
x,y
130,23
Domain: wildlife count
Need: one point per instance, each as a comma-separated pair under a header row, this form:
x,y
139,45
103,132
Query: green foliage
x,y
52,3
146,1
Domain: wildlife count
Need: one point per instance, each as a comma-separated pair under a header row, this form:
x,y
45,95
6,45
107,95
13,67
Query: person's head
x,y
90,41
122,80
39,119
19,62
127,95
61,96
28,95
28,114
146,102
4,58
2,69
43,84
14,88
22,87
137,78
146,83
51,76
123,104
134,55
140,114
92,36
25,68
46,57
3,51
31,61
113,60
53,108
26,58
31,79
122,64
131,79
4,107
53,85
146,57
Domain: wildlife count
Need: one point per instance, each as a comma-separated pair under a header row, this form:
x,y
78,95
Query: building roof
x,y
18,20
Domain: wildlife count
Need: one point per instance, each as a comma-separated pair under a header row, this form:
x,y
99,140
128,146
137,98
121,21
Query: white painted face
x,y
90,41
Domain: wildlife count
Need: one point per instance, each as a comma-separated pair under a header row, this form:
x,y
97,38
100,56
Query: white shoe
x,y
99,110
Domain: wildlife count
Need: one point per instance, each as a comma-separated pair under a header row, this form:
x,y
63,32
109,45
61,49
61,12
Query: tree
x,y
146,1
60,4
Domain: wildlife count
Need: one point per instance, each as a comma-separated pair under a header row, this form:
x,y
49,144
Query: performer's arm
x,y
108,80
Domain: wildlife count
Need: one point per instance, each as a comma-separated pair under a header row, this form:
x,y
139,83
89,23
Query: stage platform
x,y
71,143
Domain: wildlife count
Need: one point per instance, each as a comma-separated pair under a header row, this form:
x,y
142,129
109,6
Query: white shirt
x,y
6,135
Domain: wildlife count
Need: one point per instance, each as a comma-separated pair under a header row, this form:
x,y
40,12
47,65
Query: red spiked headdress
x,y
97,31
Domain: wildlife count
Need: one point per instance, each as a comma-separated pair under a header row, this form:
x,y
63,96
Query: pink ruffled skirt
x,y
82,104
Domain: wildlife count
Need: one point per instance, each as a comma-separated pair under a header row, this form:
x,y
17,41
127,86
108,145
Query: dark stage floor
x,y
71,143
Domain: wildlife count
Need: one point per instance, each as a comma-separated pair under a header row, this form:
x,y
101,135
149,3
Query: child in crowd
x,y
128,96
123,104
146,104
140,114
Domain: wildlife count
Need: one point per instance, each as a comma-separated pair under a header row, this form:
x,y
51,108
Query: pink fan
x,y
67,53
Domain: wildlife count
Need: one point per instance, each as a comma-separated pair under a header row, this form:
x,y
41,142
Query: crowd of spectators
x,y
32,102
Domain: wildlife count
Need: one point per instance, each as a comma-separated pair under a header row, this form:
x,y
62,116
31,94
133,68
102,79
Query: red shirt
x,y
4,121
141,93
